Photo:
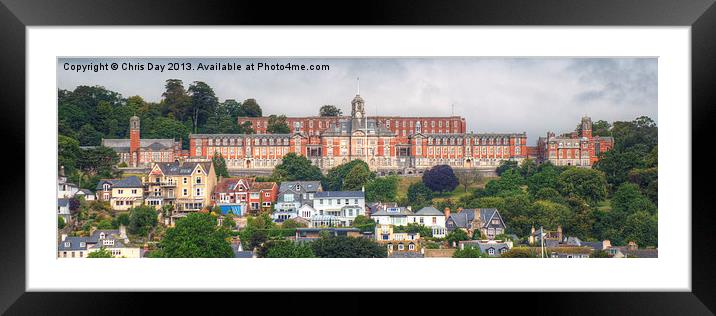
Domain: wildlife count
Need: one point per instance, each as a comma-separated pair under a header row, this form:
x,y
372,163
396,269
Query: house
x,y
429,216
493,248
374,207
242,195
487,221
344,205
293,194
65,189
632,250
115,241
63,209
551,237
397,216
397,242
86,194
122,194
187,186
569,252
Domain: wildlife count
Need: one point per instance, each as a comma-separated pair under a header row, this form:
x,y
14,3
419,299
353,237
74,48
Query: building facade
x,y
122,194
242,195
138,152
574,149
386,143
187,186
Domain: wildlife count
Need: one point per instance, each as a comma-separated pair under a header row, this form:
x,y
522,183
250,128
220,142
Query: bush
x,y
469,252
61,222
440,178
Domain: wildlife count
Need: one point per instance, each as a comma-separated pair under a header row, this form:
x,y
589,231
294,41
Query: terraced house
x,y
122,194
187,186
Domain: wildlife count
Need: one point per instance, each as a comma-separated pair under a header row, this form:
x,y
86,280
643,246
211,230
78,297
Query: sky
x,y
532,95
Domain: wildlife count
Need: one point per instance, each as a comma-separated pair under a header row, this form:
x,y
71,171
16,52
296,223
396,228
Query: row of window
x,y
239,141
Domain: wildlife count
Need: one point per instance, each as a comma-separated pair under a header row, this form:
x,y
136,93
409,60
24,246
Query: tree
x,y
550,214
509,183
289,249
176,100
336,176
330,110
467,178
196,236
250,108
547,176
277,125
97,160
506,165
440,178
256,231
628,200
642,228
454,237
203,102
589,184
88,136
528,167
142,219
123,219
364,223
220,165
68,151
290,223
419,195
296,168
60,222
382,189
356,178
348,247
469,252
101,253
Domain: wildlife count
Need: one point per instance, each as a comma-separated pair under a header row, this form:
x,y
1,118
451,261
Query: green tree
x,y
588,184
642,228
97,160
60,222
142,219
277,125
547,176
348,247
203,102
364,223
466,178
419,195
289,249
509,183
220,165
296,168
250,108
469,252
550,214
382,189
506,165
101,253
454,237
68,152
290,223
123,219
330,110
356,178
628,200
88,136
335,177
176,100
196,236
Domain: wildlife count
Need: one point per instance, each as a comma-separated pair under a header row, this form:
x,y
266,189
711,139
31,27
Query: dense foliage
x,y
294,168
142,219
195,236
347,247
440,178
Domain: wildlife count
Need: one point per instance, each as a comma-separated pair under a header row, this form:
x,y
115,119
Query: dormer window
x,y
298,186
82,244
101,235
67,244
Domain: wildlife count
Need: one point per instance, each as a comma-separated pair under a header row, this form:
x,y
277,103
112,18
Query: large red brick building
x,y
575,148
138,152
386,143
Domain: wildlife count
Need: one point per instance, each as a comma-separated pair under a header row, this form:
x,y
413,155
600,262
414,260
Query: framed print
x,y
429,149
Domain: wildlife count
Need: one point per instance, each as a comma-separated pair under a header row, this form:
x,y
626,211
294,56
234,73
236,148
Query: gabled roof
x,y
339,194
63,202
429,211
109,234
258,186
182,169
129,182
226,185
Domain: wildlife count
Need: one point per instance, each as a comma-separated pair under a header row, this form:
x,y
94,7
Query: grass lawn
x,y
406,181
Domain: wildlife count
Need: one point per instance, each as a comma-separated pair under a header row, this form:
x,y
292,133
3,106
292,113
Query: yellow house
x,y
187,186
123,193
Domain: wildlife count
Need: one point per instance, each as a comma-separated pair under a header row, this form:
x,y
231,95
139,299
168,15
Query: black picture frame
x,y
16,15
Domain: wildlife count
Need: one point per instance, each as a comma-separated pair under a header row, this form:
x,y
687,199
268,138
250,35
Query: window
x,y
401,247
120,191
198,180
134,191
67,245
411,247
185,180
491,251
198,192
185,192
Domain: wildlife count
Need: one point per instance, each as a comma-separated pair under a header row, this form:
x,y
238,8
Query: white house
x,y
430,217
63,209
344,205
397,216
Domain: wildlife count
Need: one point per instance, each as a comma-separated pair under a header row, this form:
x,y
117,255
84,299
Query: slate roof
x,y
405,254
429,211
596,245
374,207
226,185
465,217
182,169
109,234
485,246
339,194
74,244
85,192
306,186
63,202
257,186
402,211
129,182
122,145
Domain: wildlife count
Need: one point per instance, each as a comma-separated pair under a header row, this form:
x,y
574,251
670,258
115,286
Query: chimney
x,y
606,244
447,213
459,209
62,171
410,208
64,236
122,232
633,246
